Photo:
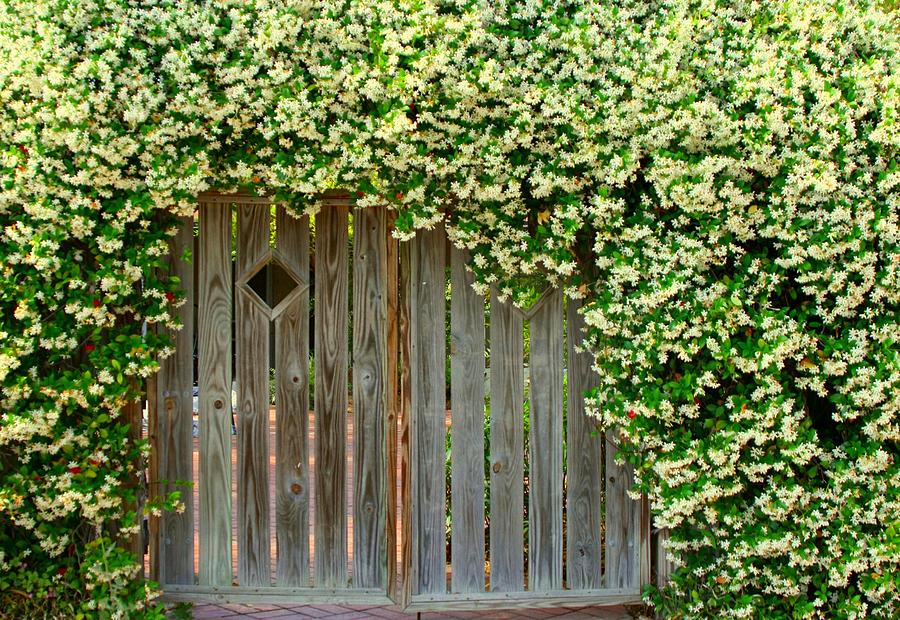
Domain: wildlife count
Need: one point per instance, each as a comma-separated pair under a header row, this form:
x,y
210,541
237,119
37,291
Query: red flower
x,y
631,414
399,195
62,570
75,470
97,303
89,347
360,194
170,296
696,401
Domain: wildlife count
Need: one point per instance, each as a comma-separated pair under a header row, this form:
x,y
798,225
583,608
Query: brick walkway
x,y
356,612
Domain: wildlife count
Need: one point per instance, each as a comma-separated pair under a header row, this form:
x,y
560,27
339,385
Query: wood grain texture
x,y
507,447
545,527
428,408
214,327
252,342
392,403
405,456
486,601
467,429
292,411
331,395
623,522
585,467
277,595
663,568
171,408
369,392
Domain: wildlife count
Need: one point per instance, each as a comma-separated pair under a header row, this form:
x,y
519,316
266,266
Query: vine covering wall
x,y
719,180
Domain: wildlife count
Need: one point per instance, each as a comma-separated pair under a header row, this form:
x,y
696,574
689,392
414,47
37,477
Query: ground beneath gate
x,y
358,612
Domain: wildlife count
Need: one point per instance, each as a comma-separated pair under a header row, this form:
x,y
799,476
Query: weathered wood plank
x,y
467,428
252,342
545,534
369,392
585,461
405,456
485,601
215,301
268,595
623,522
428,409
507,447
171,411
292,411
663,567
331,395
392,402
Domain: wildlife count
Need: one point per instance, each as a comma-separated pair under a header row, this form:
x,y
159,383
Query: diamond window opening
x,y
272,283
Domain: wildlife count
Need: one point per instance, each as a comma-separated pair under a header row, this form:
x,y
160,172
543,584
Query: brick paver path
x,y
358,612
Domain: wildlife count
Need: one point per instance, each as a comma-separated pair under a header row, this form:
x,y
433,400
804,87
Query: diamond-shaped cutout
x,y
272,283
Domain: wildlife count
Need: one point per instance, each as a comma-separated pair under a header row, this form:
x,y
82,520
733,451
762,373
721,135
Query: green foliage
x,y
718,179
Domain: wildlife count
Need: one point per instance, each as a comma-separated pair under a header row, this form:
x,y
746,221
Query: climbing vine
x,y
719,181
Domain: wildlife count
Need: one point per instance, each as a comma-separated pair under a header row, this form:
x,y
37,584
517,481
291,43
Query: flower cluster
x,y
718,179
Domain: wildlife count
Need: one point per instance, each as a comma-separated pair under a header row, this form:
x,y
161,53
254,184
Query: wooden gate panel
x,y
585,458
467,368
331,396
292,409
507,447
369,392
252,356
427,413
545,510
215,394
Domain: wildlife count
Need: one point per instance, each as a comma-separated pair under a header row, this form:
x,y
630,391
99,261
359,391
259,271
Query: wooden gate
x,y
578,538
290,443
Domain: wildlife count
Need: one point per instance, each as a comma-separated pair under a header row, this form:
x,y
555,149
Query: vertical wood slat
x,y
392,402
215,305
546,440
507,438
405,403
331,395
663,568
467,430
171,412
585,481
369,392
623,522
252,342
292,410
427,415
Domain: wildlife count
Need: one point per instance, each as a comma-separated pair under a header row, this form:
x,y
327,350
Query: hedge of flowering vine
x,y
719,179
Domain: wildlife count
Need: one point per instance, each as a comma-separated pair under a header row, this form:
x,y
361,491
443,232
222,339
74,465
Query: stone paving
x,y
358,612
